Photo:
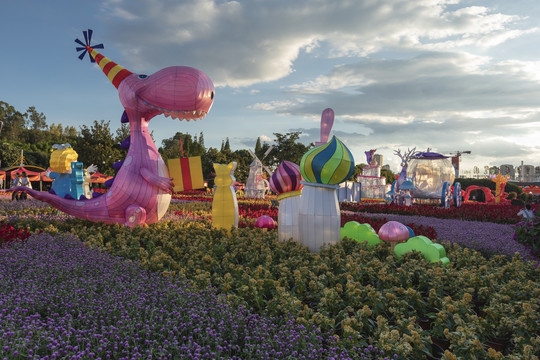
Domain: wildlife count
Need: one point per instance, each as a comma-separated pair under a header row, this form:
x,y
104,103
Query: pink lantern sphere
x,y
394,232
265,222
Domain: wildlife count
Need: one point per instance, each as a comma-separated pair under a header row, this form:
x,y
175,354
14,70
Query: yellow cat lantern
x,y
225,204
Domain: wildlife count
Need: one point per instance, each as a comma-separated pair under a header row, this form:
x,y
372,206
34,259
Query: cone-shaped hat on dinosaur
x,y
114,72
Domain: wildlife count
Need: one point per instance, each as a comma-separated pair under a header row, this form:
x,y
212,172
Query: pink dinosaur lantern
x,y
141,191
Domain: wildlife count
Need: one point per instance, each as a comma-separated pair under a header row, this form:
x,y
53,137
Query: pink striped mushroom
x,y
394,232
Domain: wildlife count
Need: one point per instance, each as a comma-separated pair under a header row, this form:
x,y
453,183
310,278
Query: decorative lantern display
x,y
186,172
394,232
265,222
406,192
428,172
431,251
60,164
500,182
224,203
323,168
285,181
362,233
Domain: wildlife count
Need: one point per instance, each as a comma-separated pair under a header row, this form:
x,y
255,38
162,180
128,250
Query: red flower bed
x,y
8,234
502,214
249,212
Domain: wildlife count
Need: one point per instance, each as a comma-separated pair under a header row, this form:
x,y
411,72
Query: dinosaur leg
x,y
135,215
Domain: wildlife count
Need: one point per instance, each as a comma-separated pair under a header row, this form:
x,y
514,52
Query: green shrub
x,y
528,233
366,295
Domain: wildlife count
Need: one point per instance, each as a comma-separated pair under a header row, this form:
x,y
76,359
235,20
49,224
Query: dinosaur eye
x,y
142,76
212,96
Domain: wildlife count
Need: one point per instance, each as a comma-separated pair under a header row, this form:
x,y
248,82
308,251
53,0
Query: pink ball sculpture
x,y
394,232
265,222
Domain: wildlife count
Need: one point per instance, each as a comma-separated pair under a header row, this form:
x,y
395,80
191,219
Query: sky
x,y
449,75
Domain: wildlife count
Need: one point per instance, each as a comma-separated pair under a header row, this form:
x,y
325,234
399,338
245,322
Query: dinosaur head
x,y
180,92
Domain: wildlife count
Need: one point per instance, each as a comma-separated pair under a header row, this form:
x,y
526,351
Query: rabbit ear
x,y
216,166
232,166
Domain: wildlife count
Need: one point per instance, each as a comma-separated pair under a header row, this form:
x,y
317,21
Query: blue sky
x,y
448,75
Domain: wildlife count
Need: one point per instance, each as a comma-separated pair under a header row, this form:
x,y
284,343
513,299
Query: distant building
x,y
508,170
378,159
494,170
526,173
531,173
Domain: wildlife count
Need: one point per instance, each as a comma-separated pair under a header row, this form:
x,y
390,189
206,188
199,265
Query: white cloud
x,y
398,73
246,42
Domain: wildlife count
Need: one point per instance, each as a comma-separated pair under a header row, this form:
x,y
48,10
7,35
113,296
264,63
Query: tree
x,y
389,175
171,148
243,160
71,132
357,171
287,148
212,156
201,140
13,122
56,130
258,148
122,133
96,145
35,120
37,158
9,154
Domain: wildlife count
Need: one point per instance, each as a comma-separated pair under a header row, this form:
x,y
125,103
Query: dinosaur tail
x,y
91,209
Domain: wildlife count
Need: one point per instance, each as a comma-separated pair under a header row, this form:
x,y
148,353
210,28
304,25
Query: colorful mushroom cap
x,y
331,163
394,231
286,178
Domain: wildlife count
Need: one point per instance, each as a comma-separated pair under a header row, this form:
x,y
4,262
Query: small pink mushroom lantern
x,y
394,232
265,222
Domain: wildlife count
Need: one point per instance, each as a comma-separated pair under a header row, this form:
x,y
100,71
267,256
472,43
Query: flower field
x,y
179,288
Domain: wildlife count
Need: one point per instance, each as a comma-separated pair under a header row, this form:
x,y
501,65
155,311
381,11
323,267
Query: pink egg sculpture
x,y
286,178
265,222
394,232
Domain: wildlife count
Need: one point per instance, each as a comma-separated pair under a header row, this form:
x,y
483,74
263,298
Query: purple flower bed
x,y
60,299
488,238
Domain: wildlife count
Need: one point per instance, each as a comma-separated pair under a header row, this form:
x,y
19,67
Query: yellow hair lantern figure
x,y
61,160
225,204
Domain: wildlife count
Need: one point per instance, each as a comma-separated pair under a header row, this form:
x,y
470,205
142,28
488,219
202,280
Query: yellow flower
x,y
449,356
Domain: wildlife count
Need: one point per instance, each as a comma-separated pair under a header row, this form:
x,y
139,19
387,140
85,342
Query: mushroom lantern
x,y
394,232
285,182
265,222
323,168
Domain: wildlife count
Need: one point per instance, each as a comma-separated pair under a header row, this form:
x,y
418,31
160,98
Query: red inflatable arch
x,y
487,191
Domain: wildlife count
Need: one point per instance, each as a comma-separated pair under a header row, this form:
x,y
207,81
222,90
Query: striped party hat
x,y
114,72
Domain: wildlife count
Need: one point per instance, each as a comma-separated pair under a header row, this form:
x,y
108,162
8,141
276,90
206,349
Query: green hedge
x,y
474,308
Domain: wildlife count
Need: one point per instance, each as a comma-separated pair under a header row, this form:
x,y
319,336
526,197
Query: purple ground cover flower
x,y
60,299
486,237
